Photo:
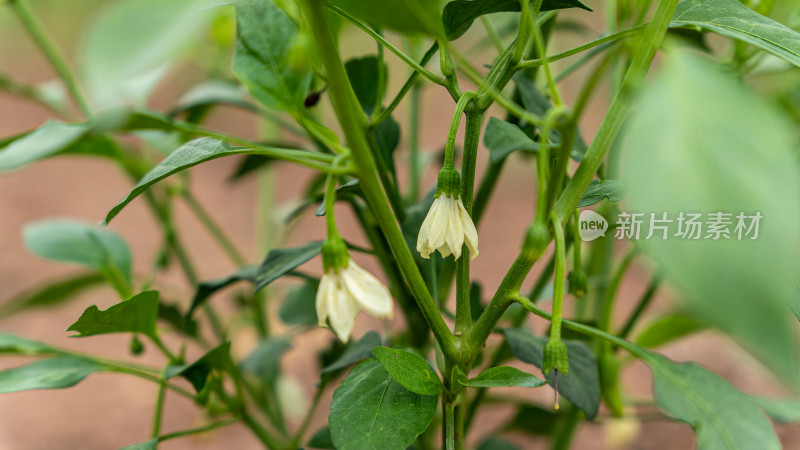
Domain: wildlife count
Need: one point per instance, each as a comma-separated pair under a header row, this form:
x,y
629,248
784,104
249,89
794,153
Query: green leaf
x,y
10,343
503,376
265,361
197,372
598,190
207,288
458,15
53,373
494,443
138,314
503,138
731,18
371,410
264,38
727,151
409,369
299,307
363,74
322,439
130,119
782,410
152,444
533,419
128,47
76,242
581,386
405,16
667,329
281,261
354,352
51,139
722,417
51,294
212,93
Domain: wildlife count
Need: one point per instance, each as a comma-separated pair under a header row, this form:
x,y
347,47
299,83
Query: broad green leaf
x,y
533,419
409,369
503,138
667,329
299,307
281,261
405,16
152,444
355,352
264,39
53,373
213,92
138,314
207,288
733,19
197,372
782,410
129,46
265,361
321,439
581,386
188,155
51,294
371,410
10,343
702,142
458,15
599,190
76,242
503,376
722,417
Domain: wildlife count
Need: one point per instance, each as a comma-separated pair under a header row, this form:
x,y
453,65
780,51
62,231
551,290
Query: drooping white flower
x,y
344,291
446,228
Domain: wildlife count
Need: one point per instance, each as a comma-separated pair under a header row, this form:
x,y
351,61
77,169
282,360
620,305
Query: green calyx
x,y
334,254
577,283
449,183
555,356
536,239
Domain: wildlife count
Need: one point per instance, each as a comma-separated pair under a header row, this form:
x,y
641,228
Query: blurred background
x,y
110,411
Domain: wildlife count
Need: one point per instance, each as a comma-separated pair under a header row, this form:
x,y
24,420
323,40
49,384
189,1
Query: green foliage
x,y
13,344
136,315
409,369
264,361
197,373
355,351
503,138
299,306
207,288
501,376
51,294
666,329
281,261
782,410
408,16
53,373
51,139
599,190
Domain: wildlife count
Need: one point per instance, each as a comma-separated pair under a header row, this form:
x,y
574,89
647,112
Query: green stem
x,y
415,169
159,408
214,229
410,82
558,278
301,431
486,188
492,32
641,306
610,38
198,430
607,307
47,47
449,149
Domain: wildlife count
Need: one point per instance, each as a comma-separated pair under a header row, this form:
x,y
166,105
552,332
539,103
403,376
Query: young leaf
x,y
197,372
733,19
51,294
13,344
53,373
409,369
458,15
76,242
581,386
728,152
667,329
782,410
264,361
207,288
138,314
299,307
722,417
371,410
503,376
264,39
281,261
598,190
405,16
503,138
53,138
355,352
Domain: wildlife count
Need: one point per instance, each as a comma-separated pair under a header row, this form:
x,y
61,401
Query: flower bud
x,y
334,254
577,283
536,239
136,345
555,356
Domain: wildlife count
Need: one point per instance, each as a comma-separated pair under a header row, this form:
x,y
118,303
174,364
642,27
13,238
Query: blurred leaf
x,y
174,317
701,141
371,410
265,361
129,46
76,242
533,419
152,444
363,74
581,386
599,190
299,307
197,372
138,314
322,439
13,344
476,305
281,261
732,19
127,119
355,352
409,369
207,288
345,191
503,138
502,376
405,16
210,93
251,164
458,15
495,443
781,410
264,38
51,294
53,373
722,417
666,329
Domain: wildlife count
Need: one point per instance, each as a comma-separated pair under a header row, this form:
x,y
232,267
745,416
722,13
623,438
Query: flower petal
x,y
323,294
343,311
370,293
470,233
455,230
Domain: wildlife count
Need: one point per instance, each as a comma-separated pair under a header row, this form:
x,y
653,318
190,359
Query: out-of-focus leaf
x,y
322,439
494,443
10,343
502,376
405,16
599,190
299,307
503,138
197,372
138,314
667,329
264,362
207,288
152,444
213,92
281,261
51,294
782,410
533,419
409,369
371,410
53,373
702,142
355,352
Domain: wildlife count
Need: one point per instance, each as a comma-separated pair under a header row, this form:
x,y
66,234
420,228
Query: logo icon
x,y
591,225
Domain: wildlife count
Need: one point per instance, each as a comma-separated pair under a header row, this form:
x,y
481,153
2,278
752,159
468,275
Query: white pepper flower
x,y
346,289
448,226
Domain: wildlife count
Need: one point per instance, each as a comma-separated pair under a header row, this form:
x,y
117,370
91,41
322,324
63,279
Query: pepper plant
x,y
712,131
